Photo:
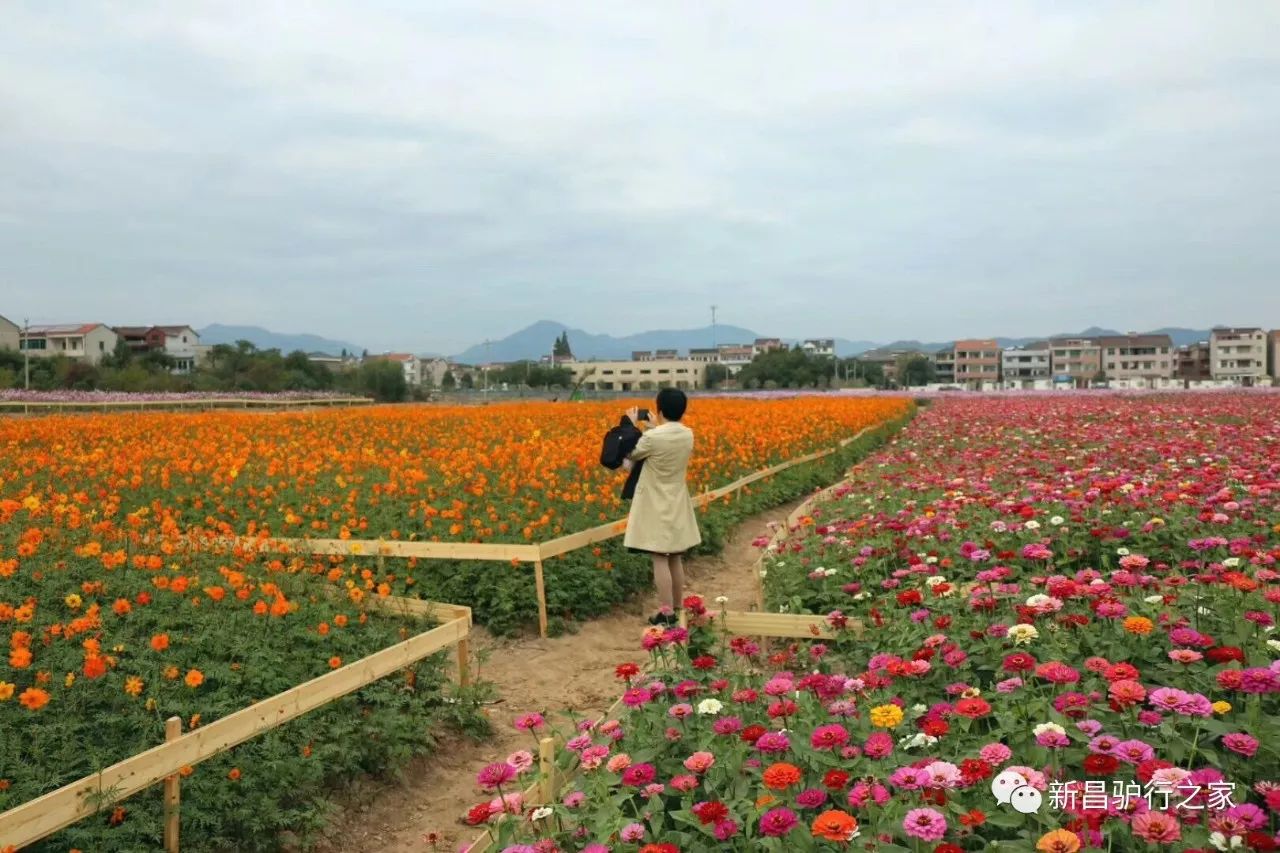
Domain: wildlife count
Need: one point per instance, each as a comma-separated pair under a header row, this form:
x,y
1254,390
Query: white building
x,y
819,346
88,342
1238,355
1024,367
10,334
409,362
182,344
685,373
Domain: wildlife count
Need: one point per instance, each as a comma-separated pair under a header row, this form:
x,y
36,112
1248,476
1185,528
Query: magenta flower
x,y
830,736
925,824
530,722
1241,743
771,742
811,798
632,833
638,775
778,822
493,776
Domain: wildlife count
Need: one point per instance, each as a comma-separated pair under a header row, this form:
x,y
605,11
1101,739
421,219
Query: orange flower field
x,y
110,622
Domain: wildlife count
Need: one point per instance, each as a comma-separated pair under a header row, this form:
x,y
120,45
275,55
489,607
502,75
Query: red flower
x,y
973,708
710,812
974,770
704,662
1101,765
948,848
752,733
1148,768
626,671
1225,654
910,597
1019,662
478,814
661,846
973,817
1260,841
835,780
936,727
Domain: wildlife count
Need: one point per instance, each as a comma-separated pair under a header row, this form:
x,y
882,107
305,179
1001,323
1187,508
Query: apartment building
x,y
1273,355
88,342
736,356
1193,362
1134,356
685,373
944,365
1238,354
1074,361
704,354
761,345
1023,367
10,334
977,362
641,355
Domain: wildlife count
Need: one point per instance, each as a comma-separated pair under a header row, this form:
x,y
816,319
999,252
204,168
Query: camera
x,y
642,415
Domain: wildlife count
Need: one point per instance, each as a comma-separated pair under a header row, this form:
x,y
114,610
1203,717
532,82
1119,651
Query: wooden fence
x,y
194,403
59,809
551,781
536,554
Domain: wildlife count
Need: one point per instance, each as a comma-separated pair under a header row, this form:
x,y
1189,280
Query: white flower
x,y
1048,727
1231,562
860,596
1039,600
1154,599
782,608
710,706
917,740
764,573
917,710
1274,645
1057,520
934,580
1204,611
931,560
540,813
722,600
1032,524
1217,839
1022,633
1123,552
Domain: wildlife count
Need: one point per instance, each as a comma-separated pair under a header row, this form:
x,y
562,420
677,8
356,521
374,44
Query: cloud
x,y
424,176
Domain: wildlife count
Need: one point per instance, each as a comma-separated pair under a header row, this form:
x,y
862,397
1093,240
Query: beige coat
x,y
662,517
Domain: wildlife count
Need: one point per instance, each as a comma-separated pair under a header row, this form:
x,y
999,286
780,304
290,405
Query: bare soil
x,y
573,672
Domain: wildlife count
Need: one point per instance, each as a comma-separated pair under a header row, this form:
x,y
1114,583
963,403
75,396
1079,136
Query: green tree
x,y
716,374
561,347
383,380
918,370
468,382
449,382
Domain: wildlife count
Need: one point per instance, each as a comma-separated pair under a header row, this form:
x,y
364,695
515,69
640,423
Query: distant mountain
x,y
535,341
264,339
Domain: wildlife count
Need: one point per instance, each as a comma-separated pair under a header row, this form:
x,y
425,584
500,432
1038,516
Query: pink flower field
x,y
1053,630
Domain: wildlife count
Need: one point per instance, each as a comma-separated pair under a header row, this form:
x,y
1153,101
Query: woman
x,y
662,522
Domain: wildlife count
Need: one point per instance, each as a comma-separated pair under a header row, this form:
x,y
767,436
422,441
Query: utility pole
x,y
487,359
715,344
26,353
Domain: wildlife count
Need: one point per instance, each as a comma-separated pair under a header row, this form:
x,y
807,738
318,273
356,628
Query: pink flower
x,y
684,783
1156,827
1241,743
829,736
574,799
878,745
925,824
632,833
995,753
726,829
778,822
638,775
811,798
773,742
530,722
618,763
492,776
699,762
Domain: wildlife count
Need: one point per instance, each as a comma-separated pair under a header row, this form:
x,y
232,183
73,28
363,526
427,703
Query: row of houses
x,y
1232,355
92,342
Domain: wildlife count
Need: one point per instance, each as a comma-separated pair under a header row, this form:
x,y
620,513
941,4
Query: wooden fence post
x,y
464,662
542,598
172,791
547,767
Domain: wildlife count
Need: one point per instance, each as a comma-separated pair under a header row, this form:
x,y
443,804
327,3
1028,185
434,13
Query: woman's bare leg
x,y
662,579
675,563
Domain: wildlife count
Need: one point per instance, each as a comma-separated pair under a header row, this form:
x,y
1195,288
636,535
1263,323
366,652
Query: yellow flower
x,y
1221,707
886,716
151,704
73,601
70,679
6,691
133,685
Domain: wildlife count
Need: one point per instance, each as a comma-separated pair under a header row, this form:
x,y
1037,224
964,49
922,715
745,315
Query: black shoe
x,y
663,619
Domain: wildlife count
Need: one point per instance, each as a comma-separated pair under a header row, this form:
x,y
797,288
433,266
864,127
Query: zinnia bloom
x,y
925,824
33,698
194,678
778,822
1156,827
1058,841
835,825
781,776
494,775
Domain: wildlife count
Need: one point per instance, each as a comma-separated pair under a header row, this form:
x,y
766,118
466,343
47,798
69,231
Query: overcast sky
x,y
423,175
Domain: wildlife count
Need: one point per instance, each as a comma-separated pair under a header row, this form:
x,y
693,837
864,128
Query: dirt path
x,y
571,672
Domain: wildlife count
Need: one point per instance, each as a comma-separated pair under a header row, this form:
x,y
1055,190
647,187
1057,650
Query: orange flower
x,y
121,607
781,776
194,678
322,629
1138,625
95,666
835,825
340,620
335,662
133,685
160,642
20,658
33,698
234,774
171,672
1058,841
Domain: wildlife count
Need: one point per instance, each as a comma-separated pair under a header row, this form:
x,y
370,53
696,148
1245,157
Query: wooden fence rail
x,y
197,403
58,809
